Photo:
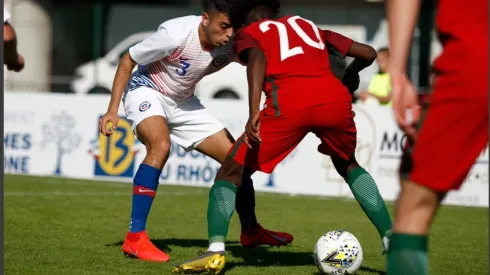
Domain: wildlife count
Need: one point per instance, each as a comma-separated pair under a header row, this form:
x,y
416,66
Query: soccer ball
x,y
338,252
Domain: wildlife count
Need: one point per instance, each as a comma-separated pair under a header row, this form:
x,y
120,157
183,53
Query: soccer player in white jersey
x,y
11,58
159,100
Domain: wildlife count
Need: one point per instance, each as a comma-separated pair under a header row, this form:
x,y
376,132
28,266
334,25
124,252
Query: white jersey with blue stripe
x,y
172,60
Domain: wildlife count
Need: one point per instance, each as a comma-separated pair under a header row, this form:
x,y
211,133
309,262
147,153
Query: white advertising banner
x,y
57,135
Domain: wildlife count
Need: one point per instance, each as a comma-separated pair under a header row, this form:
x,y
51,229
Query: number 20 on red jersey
x,y
285,49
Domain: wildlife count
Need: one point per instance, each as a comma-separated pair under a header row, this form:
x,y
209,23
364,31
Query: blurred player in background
x,y
11,58
160,102
447,136
287,57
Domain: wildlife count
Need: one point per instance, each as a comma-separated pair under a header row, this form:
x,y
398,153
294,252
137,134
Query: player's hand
x,y
405,103
18,65
363,96
108,123
351,81
252,129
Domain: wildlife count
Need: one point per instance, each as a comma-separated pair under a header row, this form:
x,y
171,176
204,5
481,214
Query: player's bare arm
x,y
13,60
364,56
402,17
255,75
153,48
121,79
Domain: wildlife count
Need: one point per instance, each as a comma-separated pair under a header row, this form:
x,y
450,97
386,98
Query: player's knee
x,y
344,166
424,200
226,173
231,171
352,165
159,148
418,198
416,208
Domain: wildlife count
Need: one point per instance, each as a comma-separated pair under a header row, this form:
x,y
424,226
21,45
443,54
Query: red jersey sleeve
x,y
242,42
337,43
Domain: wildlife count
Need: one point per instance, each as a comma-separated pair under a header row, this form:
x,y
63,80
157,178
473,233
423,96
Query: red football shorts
x,y
453,132
332,123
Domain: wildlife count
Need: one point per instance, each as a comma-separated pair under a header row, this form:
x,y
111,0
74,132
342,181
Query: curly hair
x,y
223,6
240,9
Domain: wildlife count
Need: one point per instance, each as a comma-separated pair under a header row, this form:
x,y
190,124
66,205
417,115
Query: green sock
x,y
221,206
367,194
407,255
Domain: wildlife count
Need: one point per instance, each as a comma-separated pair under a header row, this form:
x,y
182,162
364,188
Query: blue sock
x,y
145,185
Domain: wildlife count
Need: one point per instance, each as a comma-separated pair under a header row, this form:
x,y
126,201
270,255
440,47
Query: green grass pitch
x,y
65,226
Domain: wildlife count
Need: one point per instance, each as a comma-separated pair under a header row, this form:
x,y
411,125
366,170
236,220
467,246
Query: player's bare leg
x,y
366,192
415,209
217,147
154,134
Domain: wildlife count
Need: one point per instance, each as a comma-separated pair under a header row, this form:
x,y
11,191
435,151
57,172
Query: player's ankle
x,y
134,236
216,247
251,230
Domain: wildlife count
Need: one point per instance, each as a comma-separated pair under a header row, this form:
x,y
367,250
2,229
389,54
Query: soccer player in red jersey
x,y
450,132
288,59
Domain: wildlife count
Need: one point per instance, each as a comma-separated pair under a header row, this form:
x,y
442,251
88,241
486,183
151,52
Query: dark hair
x,y
223,6
384,49
240,10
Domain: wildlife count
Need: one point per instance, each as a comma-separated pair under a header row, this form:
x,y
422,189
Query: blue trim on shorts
x,y
141,79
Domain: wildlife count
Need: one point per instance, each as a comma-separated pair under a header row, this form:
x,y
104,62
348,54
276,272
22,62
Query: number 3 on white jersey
x,y
287,52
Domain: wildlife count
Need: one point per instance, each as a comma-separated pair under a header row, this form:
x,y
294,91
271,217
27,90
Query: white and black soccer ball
x,y
338,253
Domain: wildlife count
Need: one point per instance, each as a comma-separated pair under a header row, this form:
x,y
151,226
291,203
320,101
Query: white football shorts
x,y
189,122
